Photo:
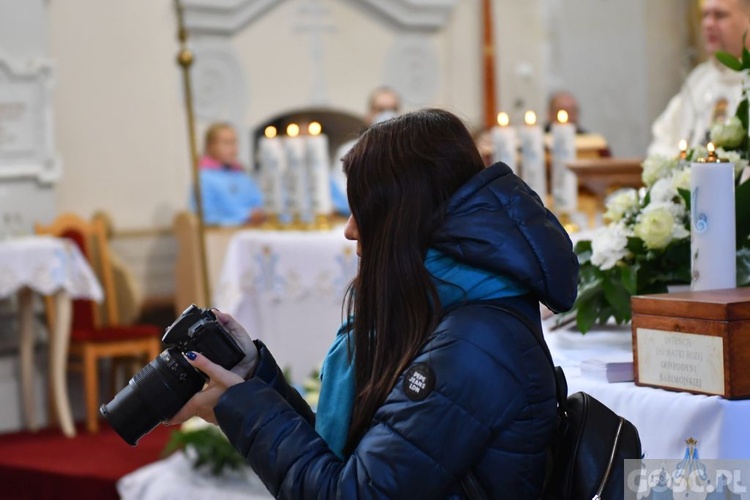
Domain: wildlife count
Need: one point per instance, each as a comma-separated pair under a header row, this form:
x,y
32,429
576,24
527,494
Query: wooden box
x,y
697,342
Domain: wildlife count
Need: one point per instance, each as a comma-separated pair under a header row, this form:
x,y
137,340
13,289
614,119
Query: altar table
x,y
665,419
286,288
51,267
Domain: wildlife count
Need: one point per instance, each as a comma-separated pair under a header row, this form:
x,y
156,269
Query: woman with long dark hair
x,y
428,379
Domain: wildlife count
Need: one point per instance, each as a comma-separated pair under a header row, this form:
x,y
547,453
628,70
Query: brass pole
x,y
185,60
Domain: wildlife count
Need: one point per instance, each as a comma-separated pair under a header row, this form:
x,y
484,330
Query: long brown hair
x,y
399,175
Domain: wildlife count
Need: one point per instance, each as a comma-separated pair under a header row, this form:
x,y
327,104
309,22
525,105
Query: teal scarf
x,y
456,283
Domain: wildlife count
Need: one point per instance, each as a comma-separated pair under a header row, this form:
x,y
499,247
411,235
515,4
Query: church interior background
x,y
109,133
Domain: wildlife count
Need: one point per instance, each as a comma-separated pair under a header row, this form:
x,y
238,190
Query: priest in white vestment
x,y
711,92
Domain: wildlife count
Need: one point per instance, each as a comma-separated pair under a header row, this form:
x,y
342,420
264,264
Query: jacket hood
x,y
498,223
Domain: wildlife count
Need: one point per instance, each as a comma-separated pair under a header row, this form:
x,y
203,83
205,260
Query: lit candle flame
x,y
562,116
314,128
270,131
711,148
530,118
503,119
683,145
292,130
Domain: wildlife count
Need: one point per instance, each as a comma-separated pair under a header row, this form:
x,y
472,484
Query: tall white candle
x,y
713,235
318,162
296,182
533,168
564,182
272,170
505,143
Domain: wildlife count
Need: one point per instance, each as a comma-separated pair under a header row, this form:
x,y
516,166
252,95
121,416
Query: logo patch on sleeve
x,y
419,382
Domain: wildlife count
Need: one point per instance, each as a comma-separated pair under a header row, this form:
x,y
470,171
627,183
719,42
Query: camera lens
x,y
153,395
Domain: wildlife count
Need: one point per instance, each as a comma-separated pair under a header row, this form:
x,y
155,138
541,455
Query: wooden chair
x,y
93,337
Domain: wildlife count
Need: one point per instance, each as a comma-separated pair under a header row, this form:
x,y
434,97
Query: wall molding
x,y
26,128
431,15
412,68
223,17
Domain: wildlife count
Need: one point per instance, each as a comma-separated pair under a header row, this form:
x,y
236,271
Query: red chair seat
x,y
110,333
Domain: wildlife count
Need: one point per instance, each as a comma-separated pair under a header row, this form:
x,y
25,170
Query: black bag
x,y
592,442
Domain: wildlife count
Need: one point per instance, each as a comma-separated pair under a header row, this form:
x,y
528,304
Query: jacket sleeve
x,y
269,372
413,449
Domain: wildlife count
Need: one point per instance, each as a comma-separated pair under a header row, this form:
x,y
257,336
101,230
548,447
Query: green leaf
x,y
729,60
742,112
742,212
685,195
586,317
743,267
636,245
629,277
582,246
617,296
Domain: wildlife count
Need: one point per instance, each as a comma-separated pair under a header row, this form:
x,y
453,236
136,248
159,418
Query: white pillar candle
x,y
713,233
272,171
295,181
504,143
564,182
533,168
318,164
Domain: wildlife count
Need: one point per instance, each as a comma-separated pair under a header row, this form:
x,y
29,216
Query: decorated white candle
x,y
318,161
296,183
533,169
504,142
713,234
564,182
272,170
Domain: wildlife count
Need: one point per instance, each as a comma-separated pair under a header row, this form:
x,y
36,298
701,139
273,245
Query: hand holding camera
x,y
159,390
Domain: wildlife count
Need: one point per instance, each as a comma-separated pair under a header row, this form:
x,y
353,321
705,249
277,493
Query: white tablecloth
x,y
53,267
665,419
175,478
286,288
46,264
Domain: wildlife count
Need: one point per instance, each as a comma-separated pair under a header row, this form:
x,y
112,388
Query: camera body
x,y
162,387
198,330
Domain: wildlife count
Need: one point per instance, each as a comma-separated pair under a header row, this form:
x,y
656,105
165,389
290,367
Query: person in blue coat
x,y
427,379
229,194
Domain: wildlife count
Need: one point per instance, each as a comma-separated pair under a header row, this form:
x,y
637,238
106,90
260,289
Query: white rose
x,y
728,134
677,210
608,246
655,227
734,157
656,167
663,191
681,179
620,203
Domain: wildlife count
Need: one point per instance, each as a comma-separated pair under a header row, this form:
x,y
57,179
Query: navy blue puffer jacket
x,y
492,406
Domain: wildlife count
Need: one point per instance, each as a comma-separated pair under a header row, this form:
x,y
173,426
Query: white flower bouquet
x,y
645,245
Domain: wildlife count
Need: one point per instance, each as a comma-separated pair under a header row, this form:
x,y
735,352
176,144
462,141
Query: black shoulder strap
x,y
560,382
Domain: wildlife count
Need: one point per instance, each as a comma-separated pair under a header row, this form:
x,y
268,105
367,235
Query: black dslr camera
x,y
164,385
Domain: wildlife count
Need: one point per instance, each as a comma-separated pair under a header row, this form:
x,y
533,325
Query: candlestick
x,y
272,170
564,182
318,162
533,170
505,143
713,235
683,149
